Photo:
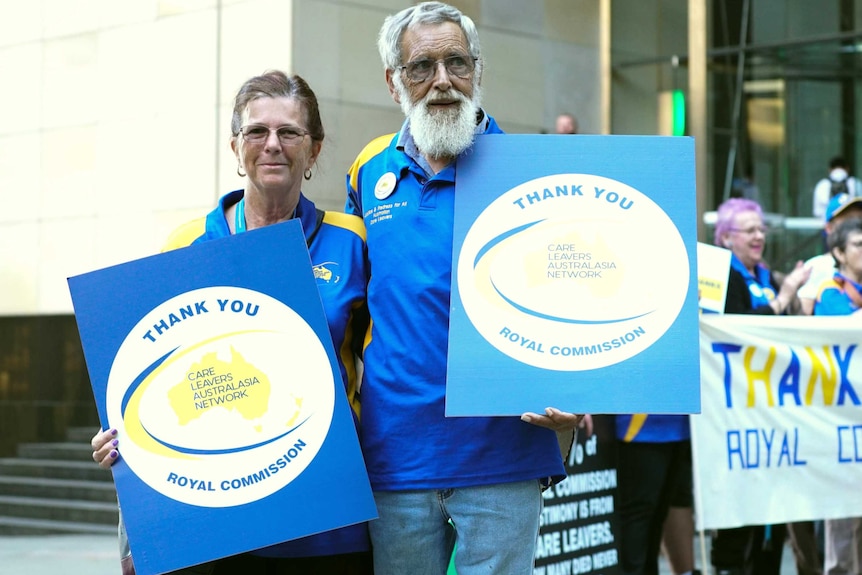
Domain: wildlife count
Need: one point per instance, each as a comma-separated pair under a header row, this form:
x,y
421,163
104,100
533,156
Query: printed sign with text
x,y
713,269
215,364
780,436
574,281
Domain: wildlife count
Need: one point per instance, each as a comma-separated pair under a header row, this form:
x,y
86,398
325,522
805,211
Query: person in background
x,y
803,535
677,540
566,124
751,286
440,483
751,289
842,295
655,475
277,135
744,186
837,181
803,542
840,207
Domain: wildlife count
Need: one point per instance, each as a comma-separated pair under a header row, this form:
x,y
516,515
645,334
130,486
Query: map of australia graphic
x,y
214,384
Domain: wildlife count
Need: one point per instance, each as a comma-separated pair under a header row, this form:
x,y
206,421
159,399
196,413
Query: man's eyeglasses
x,y
257,134
752,230
419,71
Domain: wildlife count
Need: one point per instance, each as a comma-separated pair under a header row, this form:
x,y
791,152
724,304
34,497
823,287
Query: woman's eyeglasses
x,y
752,230
258,133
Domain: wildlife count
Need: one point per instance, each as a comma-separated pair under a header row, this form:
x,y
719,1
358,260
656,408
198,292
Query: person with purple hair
x,y
751,288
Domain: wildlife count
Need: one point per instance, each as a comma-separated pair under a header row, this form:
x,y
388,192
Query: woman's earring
x,y
239,171
307,174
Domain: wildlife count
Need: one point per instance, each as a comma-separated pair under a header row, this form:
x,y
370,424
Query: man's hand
x,y
565,424
555,419
104,445
587,425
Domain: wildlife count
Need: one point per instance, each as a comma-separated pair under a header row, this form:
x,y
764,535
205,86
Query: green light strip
x,y
678,128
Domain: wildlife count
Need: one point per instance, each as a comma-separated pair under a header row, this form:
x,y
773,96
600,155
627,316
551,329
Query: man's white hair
x,y
389,39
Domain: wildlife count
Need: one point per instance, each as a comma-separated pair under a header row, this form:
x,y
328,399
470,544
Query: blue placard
x,y
216,365
574,278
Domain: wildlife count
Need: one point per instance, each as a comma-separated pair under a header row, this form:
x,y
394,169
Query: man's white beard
x,y
445,133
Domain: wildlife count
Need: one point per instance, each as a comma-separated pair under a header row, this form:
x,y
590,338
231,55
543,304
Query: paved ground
x,y
97,555
59,554
788,566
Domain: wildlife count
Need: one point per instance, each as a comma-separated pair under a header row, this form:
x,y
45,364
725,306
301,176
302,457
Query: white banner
x,y
780,435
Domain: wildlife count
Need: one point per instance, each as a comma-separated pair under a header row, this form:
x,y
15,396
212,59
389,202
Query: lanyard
x,y
239,224
759,286
239,217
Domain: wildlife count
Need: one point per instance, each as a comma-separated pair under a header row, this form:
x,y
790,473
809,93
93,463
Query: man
x,y
566,124
837,182
475,482
838,209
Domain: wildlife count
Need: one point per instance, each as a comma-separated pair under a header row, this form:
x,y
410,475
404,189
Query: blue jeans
x,y
495,528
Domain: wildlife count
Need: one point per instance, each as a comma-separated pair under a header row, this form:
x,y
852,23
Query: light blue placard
x,y
574,279
216,365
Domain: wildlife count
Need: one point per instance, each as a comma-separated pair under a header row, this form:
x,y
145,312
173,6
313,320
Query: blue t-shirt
x,y
640,427
407,441
833,298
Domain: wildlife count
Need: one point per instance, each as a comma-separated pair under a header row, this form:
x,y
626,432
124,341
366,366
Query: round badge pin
x,y
385,186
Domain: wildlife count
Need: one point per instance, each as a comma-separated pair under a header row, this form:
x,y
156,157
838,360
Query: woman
x,y
842,295
751,288
277,136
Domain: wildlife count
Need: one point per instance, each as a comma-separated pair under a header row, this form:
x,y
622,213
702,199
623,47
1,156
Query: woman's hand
x,y
104,445
791,284
797,277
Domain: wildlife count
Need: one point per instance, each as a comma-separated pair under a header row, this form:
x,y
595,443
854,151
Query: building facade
x,y
115,124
